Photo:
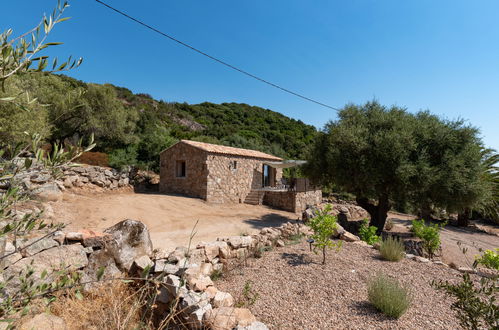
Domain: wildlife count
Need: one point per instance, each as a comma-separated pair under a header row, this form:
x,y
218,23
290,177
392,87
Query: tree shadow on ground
x,y
268,220
295,259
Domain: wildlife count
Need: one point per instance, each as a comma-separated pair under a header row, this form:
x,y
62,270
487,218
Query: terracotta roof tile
x,y
218,149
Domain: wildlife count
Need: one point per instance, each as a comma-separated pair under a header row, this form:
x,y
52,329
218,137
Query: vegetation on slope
x,y
134,128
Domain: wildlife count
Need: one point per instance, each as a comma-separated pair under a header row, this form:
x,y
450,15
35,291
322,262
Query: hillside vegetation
x,y
134,128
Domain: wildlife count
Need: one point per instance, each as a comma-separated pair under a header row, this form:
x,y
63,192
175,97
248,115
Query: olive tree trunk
x,y
378,212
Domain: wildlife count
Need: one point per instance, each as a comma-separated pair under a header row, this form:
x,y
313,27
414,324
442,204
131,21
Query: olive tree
x,y
386,155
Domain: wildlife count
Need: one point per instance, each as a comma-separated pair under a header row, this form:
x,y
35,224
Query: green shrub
x,y
430,234
120,158
489,259
248,297
476,306
324,226
392,249
216,274
388,296
368,233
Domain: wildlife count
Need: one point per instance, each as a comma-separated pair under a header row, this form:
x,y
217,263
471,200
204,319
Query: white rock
x,y
223,299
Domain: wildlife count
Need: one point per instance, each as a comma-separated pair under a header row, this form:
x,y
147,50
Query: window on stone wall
x,y
233,165
180,169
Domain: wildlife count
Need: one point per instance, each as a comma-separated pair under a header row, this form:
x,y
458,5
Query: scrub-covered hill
x,y
134,128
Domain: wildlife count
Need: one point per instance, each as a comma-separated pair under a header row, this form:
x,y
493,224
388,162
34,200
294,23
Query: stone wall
x,y
40,183
195,181
284,200
227,184
307,198
292,201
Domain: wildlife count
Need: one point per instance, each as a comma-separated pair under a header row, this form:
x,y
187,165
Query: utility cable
x,y
216,59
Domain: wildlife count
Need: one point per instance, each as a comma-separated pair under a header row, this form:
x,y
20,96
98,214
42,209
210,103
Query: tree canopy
x,y
138,126
386,155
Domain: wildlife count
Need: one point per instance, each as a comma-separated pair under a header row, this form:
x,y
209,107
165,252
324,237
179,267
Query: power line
x,y
214,58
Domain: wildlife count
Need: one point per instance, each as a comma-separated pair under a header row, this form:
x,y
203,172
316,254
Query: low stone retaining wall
x,y
44,185
292,201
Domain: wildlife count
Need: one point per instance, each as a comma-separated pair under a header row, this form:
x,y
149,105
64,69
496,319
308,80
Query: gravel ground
x,y
296,292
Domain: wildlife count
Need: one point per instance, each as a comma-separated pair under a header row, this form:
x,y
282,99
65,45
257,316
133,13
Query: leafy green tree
x,y
388,155
488,206
153,140
324,225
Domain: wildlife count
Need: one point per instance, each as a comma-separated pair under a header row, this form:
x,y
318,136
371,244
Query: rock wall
x,y
125,249
306,199
40,183
284,200
292,201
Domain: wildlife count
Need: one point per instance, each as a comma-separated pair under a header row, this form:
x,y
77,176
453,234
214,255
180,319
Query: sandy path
x,y
170,219
471,239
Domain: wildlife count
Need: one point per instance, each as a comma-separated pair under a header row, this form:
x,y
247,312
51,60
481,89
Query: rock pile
x,y
40,182
187,277
125,249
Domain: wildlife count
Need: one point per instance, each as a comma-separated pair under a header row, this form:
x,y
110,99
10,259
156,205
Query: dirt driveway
x,y
170,219
454,239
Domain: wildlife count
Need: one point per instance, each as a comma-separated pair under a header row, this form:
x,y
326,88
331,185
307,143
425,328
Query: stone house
x,y
220,174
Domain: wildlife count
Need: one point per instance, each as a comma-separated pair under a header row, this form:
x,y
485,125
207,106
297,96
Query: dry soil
x,y
170,219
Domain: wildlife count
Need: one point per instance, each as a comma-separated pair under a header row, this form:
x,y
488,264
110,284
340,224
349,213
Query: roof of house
x,y
218,149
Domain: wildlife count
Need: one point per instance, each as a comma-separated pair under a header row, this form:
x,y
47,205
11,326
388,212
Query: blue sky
x,y
442,56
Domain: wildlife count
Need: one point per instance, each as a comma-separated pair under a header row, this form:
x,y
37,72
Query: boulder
x,y
143,262
59,237
74,236
159,253
40,178
227,318
215,249
43,321
69,257
211,291
206,269
349,237
162,266
96,260
253,326
34,245
338,231
195,318
192,301
92,238
68,182
48,192
307,215
178,254
200,283
237,242
173,285
223,299
421,259
130,240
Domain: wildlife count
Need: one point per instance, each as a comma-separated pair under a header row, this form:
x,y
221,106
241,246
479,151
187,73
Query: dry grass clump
x,y
113,306
388,296
392,249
